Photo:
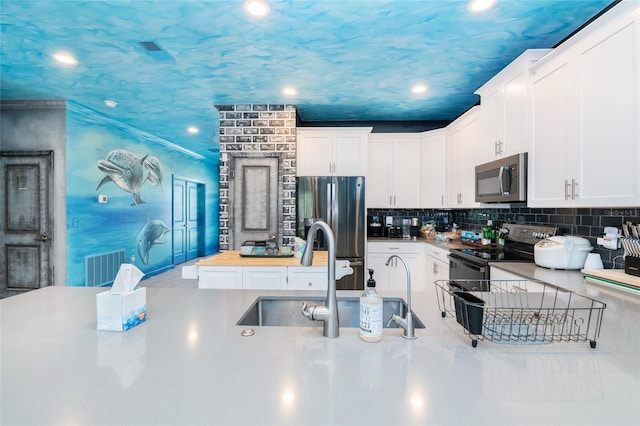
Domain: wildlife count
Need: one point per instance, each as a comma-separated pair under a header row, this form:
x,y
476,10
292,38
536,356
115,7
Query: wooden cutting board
x,y
614,276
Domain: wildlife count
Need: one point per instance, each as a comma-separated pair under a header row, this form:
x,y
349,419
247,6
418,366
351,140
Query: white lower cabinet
x,y
220,277
262,278
437,265
515,282
393,277
303,278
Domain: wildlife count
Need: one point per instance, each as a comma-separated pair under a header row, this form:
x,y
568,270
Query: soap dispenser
x,y
371,312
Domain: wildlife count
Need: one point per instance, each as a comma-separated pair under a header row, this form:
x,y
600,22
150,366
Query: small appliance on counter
x,y
393,231
374,227
562,252
414,229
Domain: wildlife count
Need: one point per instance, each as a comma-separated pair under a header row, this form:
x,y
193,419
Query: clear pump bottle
x,y
371,312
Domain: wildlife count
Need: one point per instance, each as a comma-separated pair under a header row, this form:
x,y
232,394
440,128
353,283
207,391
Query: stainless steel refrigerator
x,y
339,201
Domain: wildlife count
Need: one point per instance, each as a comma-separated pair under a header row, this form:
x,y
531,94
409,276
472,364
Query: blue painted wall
x,y
95,228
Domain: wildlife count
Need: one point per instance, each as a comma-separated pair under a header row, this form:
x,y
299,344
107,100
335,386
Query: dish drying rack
x,y
520,311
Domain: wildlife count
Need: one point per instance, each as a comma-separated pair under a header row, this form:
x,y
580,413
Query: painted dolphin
x,y
150,235
154,171
123,168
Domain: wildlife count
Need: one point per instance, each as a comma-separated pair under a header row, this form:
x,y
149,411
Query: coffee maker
x,y
374,226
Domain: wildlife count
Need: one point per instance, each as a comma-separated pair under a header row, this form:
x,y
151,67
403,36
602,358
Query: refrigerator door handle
x,y
334,207
329,203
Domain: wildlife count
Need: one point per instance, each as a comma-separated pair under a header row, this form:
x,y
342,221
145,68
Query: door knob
x,y
43,238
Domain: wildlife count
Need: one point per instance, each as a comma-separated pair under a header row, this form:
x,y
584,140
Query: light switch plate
x,y
102,199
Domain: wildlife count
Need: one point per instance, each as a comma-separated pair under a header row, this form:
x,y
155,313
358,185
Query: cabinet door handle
x,y
496,151
394,200
390,200
442,200
566,189
574,189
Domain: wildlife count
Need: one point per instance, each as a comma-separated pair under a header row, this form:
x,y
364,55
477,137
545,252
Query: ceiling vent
x,y
156,51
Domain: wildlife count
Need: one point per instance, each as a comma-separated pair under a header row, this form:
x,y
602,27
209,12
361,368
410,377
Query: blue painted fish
x,y
123,168
150,235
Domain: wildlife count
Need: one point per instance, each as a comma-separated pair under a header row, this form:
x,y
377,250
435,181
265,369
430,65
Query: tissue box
x,y
120,312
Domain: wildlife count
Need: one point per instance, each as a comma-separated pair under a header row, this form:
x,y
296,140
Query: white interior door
x,y
188,210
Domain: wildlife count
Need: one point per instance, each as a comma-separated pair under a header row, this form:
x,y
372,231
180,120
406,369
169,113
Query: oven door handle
x,y
470,265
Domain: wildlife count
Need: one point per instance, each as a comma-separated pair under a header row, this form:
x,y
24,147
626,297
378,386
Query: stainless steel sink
x,y
285,311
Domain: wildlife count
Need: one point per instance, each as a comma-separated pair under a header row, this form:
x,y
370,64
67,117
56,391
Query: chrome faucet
x,y
328,312
407,322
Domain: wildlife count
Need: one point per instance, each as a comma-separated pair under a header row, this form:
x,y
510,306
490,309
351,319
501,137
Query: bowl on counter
x,y
259,250
246,250
285,251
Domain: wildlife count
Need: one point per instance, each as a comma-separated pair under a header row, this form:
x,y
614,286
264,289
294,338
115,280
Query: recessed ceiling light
x,y
257,7
289,91
419,88
476,6
110,103
65,58
193,130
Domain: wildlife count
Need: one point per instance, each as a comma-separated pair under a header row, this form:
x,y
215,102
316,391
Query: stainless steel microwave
x,y
503,180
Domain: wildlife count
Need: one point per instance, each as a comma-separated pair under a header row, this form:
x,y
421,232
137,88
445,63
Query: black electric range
x,y
474,262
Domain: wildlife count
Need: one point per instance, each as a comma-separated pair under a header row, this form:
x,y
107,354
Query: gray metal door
x,y
26,222
255,199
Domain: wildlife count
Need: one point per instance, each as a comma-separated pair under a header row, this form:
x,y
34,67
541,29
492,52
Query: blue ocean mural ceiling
x,y
119,194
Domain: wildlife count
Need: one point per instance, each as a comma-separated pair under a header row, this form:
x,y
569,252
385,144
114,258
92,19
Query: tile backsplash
x,y
583,222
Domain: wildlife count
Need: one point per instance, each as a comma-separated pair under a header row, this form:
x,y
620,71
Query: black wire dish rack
x,y
520,311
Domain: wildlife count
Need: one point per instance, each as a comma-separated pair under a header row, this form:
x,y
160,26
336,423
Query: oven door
x,y
468,275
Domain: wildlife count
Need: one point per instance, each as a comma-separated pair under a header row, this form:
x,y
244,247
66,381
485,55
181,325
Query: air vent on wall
x,y
156,51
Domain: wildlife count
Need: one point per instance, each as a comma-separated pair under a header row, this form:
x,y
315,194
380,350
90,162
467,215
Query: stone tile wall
x,y
259,130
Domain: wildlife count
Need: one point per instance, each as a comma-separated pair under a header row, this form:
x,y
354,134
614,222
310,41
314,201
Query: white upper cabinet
x,y
585,116
505,106
550,156
332,151
462,147
393,176
433,151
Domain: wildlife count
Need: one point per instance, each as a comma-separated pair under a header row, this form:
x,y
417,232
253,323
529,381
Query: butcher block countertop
x,y
233,258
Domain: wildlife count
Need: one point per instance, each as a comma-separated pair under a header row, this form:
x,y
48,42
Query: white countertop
x,y
188,364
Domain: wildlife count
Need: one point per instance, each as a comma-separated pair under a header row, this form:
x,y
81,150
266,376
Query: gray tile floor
x,y
171,278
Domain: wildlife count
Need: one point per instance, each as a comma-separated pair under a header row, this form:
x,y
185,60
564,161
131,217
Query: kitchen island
x,y
230,270
189,364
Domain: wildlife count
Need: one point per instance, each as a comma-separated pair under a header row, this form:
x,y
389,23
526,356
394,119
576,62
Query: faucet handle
x,y
392,318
